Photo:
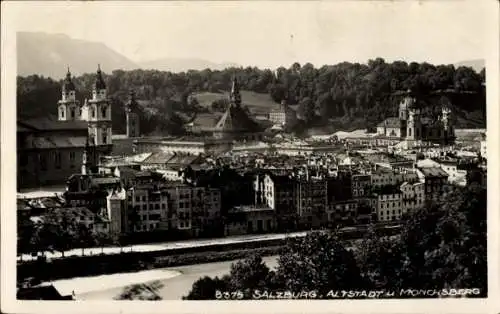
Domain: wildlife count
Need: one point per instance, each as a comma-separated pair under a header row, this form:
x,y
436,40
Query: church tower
x,y
235,96
132,116
68,106
449,132
97,112
414,129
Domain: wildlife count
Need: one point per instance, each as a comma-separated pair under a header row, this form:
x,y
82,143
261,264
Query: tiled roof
x,y
158,158
235,119
50,123
56,142
392,122
184,159
434,172
205,120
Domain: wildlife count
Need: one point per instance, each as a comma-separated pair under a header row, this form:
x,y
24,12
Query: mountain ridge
x,y
51,54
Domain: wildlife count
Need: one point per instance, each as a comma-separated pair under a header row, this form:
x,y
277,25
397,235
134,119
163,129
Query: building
x,y
311,200
434,179
283,116
250,219
90,190
50,149
97,113
169,206
132,117
413,196
411,126
277,192
389,203
235,124
360,185
183,145
116,212
384,176
342,213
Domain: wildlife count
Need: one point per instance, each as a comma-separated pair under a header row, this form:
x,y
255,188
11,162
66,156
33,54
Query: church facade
x,y
412,126
52,148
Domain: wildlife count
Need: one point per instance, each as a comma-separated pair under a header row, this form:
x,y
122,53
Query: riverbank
x,y
173,288
132,263
128,262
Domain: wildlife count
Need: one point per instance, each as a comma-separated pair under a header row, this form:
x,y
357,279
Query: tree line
x,y
58,231
441,247
345,90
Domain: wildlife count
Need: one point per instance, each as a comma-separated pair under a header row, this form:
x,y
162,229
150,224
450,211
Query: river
x,y
177,284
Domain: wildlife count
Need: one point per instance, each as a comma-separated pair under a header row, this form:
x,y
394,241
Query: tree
x,y
143,292
86,236
248,275
206,288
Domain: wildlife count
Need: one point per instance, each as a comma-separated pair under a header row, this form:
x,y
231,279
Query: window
x,y
62,113
144,207
103,111
92,112
137,199
144,198
72,113
104,137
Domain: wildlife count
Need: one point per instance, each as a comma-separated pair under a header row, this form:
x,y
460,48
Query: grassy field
x,y
256,102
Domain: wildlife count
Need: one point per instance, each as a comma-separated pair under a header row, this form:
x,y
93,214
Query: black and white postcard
x,y
265,156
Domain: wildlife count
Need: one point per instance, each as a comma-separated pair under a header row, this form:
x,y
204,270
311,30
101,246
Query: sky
x,y
270,34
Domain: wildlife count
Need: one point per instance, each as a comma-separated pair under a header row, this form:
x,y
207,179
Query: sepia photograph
x,y
249,151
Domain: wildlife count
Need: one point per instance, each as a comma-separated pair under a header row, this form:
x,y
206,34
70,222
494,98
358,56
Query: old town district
x,y
231,179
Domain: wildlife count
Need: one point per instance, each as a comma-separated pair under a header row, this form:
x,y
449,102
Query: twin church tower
x,y
96,112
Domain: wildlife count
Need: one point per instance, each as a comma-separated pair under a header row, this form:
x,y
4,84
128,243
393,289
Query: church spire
x,y
99,83
68,83
235,97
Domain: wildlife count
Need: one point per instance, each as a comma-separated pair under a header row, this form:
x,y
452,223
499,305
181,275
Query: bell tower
x,y
235,96
414,129
449,132
68,106
97,112
132,116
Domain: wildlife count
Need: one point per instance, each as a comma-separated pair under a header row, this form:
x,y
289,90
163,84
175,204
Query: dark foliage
x,y
346,93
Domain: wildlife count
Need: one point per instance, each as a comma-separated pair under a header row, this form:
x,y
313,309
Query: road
x,y
175,287
168,245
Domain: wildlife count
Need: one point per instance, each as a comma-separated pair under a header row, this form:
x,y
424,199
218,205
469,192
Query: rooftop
x,y
50,123
392,122
158,158
434,172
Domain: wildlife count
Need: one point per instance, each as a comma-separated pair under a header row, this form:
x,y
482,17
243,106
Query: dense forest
x,y
357,94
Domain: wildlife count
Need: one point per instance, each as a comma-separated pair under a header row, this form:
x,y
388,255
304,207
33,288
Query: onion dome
x,y
68,83
99,83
